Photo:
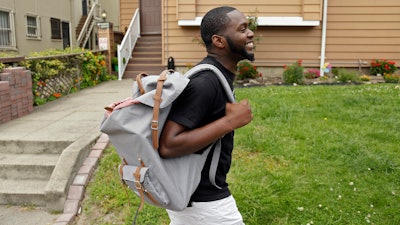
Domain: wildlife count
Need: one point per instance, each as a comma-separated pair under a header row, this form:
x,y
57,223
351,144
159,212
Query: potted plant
x,y
114,63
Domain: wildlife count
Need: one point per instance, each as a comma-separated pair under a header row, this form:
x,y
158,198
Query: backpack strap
x,y
156,108
221,78
217,145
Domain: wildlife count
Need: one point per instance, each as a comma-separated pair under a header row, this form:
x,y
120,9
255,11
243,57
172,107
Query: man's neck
x,y
225,61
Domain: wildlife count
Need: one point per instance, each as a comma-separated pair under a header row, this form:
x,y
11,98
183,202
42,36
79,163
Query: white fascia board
x,y
286,21
263,21
195,22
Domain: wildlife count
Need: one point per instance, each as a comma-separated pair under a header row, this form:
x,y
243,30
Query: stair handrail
x,y
124,50
93,13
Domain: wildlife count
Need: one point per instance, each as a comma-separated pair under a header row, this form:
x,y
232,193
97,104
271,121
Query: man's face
x,y
239,37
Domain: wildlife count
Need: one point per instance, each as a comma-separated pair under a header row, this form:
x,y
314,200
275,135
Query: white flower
x,y
301,209
351,183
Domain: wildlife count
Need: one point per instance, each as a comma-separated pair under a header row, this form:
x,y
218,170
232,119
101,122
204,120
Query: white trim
x,y
323,38
264,21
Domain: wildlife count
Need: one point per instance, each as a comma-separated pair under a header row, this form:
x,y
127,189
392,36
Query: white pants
x,y
220,212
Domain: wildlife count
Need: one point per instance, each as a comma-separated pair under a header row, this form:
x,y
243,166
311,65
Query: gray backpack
x,y
134,126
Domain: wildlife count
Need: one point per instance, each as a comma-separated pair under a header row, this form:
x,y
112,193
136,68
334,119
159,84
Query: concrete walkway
x,y
70,119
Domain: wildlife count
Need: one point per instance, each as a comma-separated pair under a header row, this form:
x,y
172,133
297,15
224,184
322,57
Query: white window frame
x,y
37,34
11,30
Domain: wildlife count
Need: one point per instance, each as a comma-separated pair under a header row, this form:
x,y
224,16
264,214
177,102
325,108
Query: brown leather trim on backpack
x,y
139,187
156,108
142,191
139,82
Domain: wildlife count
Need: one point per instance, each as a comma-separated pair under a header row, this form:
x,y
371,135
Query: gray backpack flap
x,y
134,126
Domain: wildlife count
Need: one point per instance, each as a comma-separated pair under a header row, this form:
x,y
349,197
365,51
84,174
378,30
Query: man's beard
x,y
240,50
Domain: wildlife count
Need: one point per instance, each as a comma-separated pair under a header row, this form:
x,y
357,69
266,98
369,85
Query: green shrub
x,y
293,74
246,70
82,66
382,66
391,78
344,75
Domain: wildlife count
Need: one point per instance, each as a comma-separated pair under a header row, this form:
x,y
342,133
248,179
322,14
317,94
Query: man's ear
x,y
218,41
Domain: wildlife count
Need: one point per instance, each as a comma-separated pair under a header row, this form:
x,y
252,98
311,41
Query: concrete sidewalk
x,y
70,119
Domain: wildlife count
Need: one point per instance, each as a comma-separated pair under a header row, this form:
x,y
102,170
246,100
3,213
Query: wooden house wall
x,y
356,30
127,10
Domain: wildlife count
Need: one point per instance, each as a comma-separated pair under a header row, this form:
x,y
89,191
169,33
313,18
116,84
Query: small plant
x,y
335,71
365,78
197,39
344,75
2,66
382,66
246,70
391,78
114,60
293,74
114,63
312,73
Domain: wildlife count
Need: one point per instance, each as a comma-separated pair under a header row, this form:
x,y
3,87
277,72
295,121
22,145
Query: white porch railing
x,y
128,43
93,16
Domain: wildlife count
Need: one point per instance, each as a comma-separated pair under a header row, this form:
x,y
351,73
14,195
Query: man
x,y
201,116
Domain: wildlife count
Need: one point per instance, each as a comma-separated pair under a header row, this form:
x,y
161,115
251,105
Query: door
x,y
84,7
65,35
150,16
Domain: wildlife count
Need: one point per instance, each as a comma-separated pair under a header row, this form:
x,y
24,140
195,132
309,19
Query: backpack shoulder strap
x,y
231,98
221,77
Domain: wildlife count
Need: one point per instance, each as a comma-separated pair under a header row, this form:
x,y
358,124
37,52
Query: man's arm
x,y
177,140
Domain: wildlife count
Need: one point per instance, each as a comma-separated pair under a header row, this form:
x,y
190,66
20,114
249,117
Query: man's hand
x,y
238,114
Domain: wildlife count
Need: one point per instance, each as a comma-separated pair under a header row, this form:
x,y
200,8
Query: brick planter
x,y
16,98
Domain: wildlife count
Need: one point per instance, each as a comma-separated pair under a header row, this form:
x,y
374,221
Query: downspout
x,y
323,37
166,31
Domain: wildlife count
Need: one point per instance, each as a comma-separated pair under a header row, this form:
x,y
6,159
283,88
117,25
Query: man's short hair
x,y
214,22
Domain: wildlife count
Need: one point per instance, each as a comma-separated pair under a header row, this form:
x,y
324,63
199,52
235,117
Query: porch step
x,y
146,57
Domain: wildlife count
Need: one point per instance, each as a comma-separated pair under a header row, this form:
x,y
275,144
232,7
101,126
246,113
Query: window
x,y
55,28
32,25
7,31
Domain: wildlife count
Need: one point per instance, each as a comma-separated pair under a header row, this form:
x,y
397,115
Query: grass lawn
x,y
312,155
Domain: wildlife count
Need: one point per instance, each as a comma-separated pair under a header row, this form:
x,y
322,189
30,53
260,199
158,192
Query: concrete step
x,y
27,166
32,147
22,192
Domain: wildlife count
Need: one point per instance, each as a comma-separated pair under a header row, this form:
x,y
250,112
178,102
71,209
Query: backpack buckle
x,y
154,125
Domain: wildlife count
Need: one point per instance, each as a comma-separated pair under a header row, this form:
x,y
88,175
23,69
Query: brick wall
x,y
16,98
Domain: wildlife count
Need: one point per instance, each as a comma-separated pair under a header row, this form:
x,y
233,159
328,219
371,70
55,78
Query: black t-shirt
x,y
202,102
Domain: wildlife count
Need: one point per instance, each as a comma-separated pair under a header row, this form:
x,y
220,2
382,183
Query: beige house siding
x,y
277,45
363,29
356,30
127,10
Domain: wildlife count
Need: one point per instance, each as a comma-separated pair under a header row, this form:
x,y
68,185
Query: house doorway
x,y
65,35
150,16
84,8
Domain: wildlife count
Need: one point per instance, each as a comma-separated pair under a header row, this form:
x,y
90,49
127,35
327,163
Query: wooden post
x,y
106,41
